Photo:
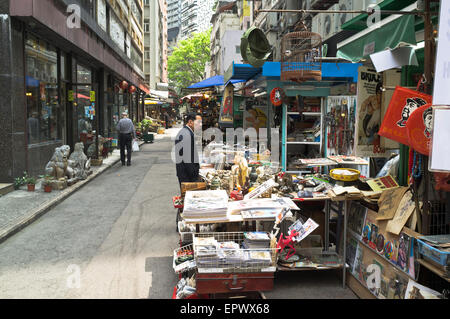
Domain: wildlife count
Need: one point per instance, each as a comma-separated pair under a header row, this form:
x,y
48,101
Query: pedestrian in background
x,y
127,132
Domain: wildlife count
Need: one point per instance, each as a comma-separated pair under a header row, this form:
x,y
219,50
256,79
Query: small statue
x,y
58,167
92,147
79,162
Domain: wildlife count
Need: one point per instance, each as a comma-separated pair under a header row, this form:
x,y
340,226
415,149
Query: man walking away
x,y
186,154
127,132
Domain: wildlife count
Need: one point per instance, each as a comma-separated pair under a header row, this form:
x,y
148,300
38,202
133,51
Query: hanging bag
x,y
135,146
403,103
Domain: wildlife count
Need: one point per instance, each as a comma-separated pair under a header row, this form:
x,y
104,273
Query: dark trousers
x,y
125,141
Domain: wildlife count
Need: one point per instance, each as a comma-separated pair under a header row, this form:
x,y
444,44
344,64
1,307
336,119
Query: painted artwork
x,y
255,117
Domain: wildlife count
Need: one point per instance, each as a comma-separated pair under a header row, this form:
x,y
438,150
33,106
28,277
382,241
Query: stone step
x,y
6,188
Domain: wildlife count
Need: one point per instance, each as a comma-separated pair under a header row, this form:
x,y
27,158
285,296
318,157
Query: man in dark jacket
x,y
186,153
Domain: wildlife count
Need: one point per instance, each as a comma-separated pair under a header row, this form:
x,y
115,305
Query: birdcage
x,y
300,57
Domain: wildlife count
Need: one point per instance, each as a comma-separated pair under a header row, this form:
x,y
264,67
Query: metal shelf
x,y
306,113
304,143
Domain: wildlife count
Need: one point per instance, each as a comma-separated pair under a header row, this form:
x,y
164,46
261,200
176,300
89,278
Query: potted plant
x,y
18,182
47,183
145,126
31,183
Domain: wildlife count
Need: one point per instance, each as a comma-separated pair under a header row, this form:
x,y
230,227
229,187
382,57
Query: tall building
x,y
62,71
155,42
173,19
195,16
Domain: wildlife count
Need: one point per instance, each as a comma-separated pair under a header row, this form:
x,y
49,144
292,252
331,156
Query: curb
x,y
43,209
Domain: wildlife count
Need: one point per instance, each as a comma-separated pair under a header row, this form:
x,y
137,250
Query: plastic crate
x,y
432,253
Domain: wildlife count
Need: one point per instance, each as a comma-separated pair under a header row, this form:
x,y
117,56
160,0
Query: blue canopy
x,y
217,80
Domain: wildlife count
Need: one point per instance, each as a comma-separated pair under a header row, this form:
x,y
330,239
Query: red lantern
x,y
123,85
132,89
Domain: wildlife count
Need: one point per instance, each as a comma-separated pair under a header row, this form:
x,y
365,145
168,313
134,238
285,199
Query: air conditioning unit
x,y
346,5
316,25
330,23
272,21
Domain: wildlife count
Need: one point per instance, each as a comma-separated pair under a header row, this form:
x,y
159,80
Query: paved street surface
x,y
119,230
115,237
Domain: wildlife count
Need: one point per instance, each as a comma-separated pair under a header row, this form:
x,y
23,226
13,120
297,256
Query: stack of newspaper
x,y
256,240
205,206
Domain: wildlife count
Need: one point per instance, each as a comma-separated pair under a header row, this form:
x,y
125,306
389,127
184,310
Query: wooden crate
x,y
192,187
231,283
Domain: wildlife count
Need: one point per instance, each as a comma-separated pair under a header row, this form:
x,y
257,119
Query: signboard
x,y
440,148
226,109
92,96
441,95
71,96
369,114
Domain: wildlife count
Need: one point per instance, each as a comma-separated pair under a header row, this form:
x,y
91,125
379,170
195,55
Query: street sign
x,y
441,94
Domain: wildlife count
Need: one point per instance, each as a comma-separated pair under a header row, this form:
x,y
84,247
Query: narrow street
x,y
118,232
114,239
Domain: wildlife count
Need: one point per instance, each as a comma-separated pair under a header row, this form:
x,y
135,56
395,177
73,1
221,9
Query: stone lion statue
x,y
58,166
79,162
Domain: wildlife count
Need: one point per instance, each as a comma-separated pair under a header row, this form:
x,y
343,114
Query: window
x,y
238,49
45,114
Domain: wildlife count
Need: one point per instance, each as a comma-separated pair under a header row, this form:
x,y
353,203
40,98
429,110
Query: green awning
x,y
389,36
359,22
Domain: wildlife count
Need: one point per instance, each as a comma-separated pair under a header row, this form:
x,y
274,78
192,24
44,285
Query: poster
x,y
369,114
255,117
226,109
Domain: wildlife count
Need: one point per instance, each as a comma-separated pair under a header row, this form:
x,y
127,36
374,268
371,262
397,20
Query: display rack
x,y
287,145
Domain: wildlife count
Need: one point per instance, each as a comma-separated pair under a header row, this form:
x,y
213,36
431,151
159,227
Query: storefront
x,y
64,92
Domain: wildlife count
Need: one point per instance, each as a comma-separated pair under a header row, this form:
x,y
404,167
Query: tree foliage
x,y
186,65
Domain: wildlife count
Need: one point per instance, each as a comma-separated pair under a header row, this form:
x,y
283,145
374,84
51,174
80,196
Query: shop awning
x,y
359,22
390,33
144,88
217,80
244,72
330,71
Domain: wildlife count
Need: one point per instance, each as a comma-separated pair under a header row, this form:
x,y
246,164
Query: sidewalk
x,y
20,208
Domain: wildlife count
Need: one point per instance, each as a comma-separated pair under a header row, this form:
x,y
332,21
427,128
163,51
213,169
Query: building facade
x,y
155,42
225,37
60,73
